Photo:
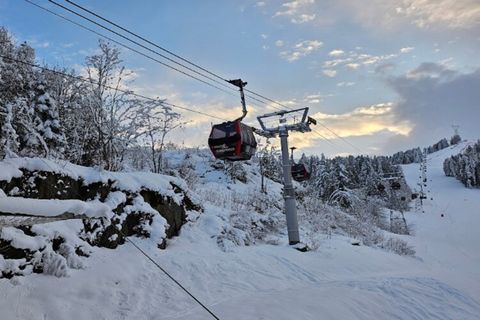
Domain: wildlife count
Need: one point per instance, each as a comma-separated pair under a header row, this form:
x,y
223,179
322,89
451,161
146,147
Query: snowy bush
x,y
187,171
398,246
343,198
252,216
68,252
24,251
53,264
374,212
318,218
236,171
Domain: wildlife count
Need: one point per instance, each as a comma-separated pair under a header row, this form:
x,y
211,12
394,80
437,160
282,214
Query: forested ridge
x,y
465,166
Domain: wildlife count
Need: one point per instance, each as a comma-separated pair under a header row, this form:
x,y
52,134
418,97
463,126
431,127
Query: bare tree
x,y
113,111
159,120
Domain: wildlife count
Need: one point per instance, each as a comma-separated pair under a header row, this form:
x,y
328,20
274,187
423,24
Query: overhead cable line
x,y
340,137
171,277
156,46
153,51
189,62
149,49
140,45
129,92
163,56
169,52
146,40
135,50
127,47
327,128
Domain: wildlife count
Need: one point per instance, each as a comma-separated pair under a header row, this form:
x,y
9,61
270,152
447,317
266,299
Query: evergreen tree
x,y
46,123
8,135
465,166
455,139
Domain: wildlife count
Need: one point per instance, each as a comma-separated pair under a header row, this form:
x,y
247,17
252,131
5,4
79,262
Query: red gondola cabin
x,y
232,140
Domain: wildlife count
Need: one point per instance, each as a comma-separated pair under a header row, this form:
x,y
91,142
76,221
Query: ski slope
x,y
448,244
337,281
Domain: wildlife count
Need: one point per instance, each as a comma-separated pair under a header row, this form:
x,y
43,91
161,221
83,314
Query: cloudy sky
x,y
383,75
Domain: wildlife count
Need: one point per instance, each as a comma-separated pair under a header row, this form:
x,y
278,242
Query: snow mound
x,y
55,208
127,181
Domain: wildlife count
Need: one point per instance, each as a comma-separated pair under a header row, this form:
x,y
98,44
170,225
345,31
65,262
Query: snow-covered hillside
x,y
241,278
448,244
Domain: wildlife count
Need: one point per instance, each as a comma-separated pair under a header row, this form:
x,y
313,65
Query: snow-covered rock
x,y
108,206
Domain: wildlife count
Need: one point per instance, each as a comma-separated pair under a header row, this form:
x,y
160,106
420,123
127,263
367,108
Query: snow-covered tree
x,y
270,163
344,180
455,139
155,122
16,80
465,166
112,110
44,111
46,123
442,144
70,95
8,135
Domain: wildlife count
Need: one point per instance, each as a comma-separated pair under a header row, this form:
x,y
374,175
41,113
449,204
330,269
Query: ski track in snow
x,y
338,281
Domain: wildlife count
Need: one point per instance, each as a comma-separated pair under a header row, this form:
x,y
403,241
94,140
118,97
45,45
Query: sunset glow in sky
x,y
385,75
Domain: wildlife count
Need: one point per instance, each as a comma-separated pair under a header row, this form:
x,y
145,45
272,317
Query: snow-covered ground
x,y
336,281
448,245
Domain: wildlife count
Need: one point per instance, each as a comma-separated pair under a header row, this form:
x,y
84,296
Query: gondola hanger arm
x,y
240,84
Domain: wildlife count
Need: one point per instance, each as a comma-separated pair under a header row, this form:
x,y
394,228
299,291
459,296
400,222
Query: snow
x,y
68,230
252,283
9,170
54,207
127,181
114,199
449,244
336,281
20,240
159,224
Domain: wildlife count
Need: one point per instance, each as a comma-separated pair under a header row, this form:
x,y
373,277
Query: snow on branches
x,y
92,121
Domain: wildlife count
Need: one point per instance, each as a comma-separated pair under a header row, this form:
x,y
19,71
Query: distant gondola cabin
x,y
396,185
300,172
